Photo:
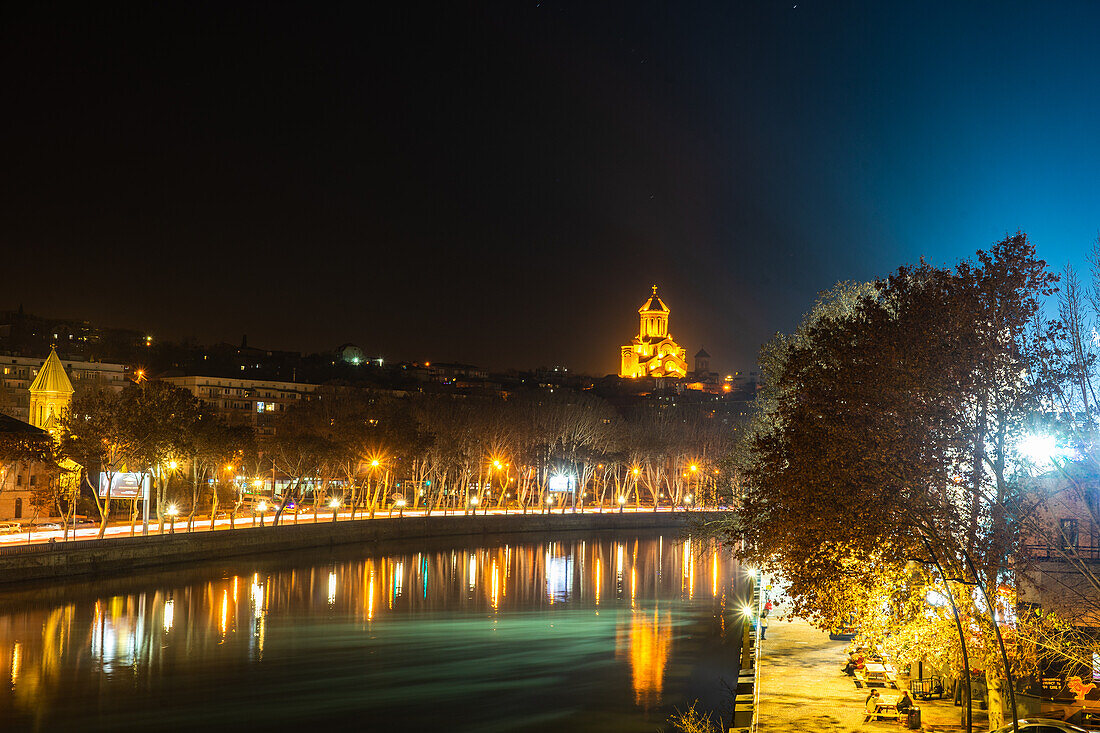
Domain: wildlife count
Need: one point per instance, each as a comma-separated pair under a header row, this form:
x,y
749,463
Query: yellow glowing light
x,y
694,468
622,499
16,661
169,614
334,503
172,510
374,463
473,500
262,507
173,465
497,464
370,597
258,484
495,592
597,581
399,503
636,471
229,467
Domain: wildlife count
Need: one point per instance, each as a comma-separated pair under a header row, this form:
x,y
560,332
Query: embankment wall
x,y
120,555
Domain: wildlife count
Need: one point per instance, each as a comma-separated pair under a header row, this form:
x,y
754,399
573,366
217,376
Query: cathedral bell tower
x,y
51,394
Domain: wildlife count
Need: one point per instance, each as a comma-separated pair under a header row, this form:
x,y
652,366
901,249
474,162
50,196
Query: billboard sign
x,y
125,485
562,482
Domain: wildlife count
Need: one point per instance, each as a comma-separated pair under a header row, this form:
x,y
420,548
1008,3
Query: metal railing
x,y
1049,552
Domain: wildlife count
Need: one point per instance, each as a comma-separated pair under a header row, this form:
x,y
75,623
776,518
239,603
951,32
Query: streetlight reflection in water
x,y
489,617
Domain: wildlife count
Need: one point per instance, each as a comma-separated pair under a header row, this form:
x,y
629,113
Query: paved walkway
x,y
803,689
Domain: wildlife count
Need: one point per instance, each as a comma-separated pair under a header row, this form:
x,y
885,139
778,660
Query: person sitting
x,y
870,705
855,662
905,703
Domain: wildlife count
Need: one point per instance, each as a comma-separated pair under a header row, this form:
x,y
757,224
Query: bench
x,y
882,714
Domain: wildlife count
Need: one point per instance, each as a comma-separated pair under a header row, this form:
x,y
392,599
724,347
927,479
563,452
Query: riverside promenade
x,y
802,688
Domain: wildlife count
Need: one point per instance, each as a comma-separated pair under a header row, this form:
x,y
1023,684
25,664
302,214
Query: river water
x,y
575,632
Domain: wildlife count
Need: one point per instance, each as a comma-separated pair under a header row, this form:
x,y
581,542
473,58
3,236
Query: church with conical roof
x,y
51,394
653,352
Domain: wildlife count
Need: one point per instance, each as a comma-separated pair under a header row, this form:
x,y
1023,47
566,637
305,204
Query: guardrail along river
x,y
577,632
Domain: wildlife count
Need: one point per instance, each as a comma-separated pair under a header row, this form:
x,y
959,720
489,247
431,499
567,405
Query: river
x,y
575,632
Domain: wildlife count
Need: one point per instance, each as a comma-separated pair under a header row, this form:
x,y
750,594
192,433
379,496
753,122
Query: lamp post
x,y
622,501
261,508
400,507
549,503
334,504
172,511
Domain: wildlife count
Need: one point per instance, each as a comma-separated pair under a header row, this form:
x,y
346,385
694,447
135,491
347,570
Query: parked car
x,y
1042,725
46,526
10,527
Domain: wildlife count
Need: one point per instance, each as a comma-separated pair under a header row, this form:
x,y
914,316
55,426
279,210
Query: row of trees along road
x,y
884,468
363,448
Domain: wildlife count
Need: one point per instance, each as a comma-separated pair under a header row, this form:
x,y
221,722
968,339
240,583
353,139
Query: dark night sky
x,y
500,184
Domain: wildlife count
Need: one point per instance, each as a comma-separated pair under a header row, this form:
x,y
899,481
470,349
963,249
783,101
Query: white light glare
x,y
1039,449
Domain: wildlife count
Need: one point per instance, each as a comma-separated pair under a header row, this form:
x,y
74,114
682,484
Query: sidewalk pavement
x,y
802,688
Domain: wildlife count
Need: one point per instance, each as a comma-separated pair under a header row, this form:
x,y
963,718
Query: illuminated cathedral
x,y
51,395
653,353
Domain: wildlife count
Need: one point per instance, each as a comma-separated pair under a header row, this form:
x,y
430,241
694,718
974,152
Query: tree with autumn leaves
x,y
882,466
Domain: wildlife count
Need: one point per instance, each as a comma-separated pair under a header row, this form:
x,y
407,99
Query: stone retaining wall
x,y
127,554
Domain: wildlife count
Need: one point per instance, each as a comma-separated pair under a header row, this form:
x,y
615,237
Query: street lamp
x,y
172,511
549,502
334,504
622,501
261,508
687,501
400,507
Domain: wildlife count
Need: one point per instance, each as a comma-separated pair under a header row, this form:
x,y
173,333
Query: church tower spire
x,y
51,394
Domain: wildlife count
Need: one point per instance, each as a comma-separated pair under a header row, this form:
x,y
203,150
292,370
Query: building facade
x,y
254,402
18,373
653,352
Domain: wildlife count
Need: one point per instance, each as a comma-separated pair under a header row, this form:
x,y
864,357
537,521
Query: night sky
x,y
501,183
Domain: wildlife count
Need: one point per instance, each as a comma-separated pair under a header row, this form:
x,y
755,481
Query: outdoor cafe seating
x,y
876,674
883,711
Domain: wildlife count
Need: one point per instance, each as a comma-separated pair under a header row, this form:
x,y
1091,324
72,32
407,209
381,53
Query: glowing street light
x,y
622,502
334,504
172,511
1038,449
400,504
172,465
261,508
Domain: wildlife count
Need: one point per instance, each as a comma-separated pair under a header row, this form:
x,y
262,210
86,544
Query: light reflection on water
x,y
601,633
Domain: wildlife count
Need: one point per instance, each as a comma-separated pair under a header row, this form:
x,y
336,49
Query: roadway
x,y
124,529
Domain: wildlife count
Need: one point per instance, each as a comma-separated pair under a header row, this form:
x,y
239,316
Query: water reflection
x,y
595,618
